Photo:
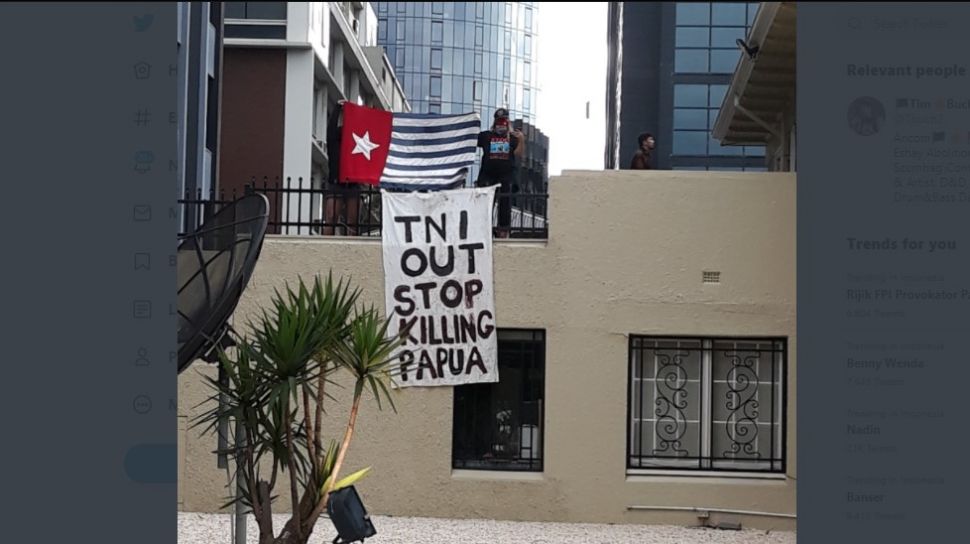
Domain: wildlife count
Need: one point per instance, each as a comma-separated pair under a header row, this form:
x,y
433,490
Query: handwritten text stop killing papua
x,y
441,344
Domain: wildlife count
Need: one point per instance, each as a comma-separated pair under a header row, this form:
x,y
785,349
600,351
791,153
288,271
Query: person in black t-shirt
x,y
500,146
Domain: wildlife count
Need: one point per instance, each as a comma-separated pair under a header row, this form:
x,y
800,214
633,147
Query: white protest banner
x,y
438,285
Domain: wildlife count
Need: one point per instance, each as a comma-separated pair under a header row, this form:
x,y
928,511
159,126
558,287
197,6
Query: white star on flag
x,y
364,145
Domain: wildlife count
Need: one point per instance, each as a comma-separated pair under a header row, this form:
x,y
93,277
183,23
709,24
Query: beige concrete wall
x,y
625,255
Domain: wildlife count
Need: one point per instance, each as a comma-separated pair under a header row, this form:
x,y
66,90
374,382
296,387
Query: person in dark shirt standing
x,y
500,146
641,159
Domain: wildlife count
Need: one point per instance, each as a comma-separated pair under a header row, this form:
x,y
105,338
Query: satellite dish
x,y
214,265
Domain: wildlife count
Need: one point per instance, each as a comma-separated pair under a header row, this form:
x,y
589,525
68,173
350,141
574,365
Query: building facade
x,y
760,106
287,64
646,356
670,65
197,115
457,57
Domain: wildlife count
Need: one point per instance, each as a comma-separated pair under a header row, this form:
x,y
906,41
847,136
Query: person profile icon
x,y
866,116
142,359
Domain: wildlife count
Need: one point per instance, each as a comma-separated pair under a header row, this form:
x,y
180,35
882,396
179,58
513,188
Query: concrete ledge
x,y
706,478
497,475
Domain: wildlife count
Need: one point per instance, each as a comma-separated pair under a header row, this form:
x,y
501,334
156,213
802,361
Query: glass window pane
x,y
499,425
382,29
399,59
468,35
266,10
717,95
449,33
754,151
436,86
726,37
437,31
479,9
691,36
528,19
690,142
401,6
436,8
436,59
415,31
508,12
506,68
690,95
690,61
434,107
527,72
528,46
459,62
691,13
382,7
478,63
479,36
400,30
752,11
690,119
508,41
715,148
457,88
724,61
728,13
235,10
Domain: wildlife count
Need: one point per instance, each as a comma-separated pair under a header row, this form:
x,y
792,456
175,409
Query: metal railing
x,y
296,208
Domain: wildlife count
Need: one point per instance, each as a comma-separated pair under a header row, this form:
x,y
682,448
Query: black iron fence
x,y
351,210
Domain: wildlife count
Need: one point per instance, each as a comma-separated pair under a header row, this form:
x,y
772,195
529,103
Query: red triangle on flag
x,y
365,142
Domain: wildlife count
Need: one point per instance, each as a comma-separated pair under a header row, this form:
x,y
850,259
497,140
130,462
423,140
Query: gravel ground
x,y
215,529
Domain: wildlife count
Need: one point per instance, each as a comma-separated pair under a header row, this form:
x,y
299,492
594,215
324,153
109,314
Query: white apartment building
x,y
286,66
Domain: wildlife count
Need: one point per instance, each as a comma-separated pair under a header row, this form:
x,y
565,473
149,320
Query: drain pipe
x,y
753,117
706,511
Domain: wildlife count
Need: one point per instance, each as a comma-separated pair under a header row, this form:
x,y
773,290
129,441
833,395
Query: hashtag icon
x,y
143,117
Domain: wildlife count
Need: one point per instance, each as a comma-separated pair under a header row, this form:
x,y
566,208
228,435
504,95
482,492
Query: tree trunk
x,y
341,453
294,501
265,520
321,380
307,418
289,537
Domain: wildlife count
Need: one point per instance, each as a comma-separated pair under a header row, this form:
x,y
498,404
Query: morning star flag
x,y
438,286
407,151
364,144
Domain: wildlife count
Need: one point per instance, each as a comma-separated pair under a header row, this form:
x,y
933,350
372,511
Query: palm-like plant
x,y
309,334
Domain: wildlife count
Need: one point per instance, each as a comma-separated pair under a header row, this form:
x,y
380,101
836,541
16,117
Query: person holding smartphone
x,y
500,146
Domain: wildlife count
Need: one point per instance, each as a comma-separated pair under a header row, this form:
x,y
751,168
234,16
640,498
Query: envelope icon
x,y
142,212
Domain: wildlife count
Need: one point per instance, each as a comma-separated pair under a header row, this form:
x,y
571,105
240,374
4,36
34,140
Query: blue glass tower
x,y
457,57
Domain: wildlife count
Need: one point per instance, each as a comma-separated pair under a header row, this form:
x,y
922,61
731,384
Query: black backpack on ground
x,y
349,516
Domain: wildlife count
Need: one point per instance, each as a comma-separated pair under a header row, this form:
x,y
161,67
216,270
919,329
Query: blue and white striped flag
x,y
430,152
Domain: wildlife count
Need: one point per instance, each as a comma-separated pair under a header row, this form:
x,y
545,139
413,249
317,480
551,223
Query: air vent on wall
x,y
711,276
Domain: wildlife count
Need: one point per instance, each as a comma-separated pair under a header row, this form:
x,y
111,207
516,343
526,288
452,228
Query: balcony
x,y
354,210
